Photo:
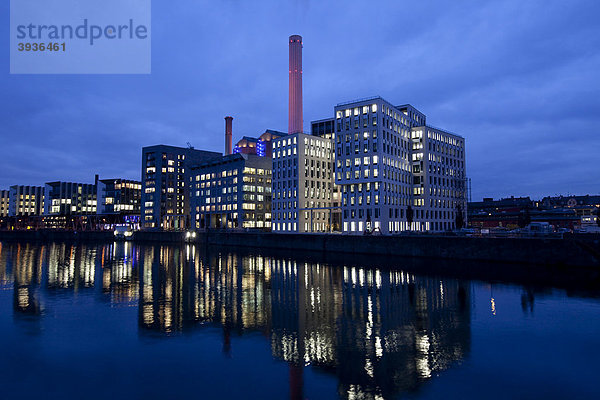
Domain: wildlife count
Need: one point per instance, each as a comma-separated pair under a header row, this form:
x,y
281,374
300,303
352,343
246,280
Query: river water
x,y
165,321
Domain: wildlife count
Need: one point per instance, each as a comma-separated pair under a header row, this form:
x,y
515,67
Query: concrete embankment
x,y
577,251
567,252
56,235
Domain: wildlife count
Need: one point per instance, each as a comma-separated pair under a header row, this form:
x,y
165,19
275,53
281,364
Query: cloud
x,y
519,80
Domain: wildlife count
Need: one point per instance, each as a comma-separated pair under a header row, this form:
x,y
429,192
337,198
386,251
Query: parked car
x,y
190,236
123,233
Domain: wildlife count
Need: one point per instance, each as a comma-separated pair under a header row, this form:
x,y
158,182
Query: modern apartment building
x,y
231,192
69,198
119,196
303,184
26,201
165,200
4,202
385,166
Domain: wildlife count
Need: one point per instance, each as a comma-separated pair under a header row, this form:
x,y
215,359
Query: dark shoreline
x,y
438,256
574,251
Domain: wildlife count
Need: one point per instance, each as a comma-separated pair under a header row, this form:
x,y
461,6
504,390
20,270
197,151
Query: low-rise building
x,y
4,202
231,192
119,196
26,201
69,205
510,204
119,203
69,198
583,205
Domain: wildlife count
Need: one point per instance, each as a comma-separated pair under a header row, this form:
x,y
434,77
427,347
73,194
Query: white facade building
x,y
303,185
383,167
439,189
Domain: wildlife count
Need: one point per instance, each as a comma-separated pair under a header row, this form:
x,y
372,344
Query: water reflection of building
x,y
380,332
21,272
71,266
5,275
179,287
119,263
32,271
401,329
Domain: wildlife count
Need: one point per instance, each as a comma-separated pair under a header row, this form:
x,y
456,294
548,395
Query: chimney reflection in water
x,y
381,332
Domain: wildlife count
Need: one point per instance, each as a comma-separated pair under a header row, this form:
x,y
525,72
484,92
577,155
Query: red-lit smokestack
x,y
295,104
228,132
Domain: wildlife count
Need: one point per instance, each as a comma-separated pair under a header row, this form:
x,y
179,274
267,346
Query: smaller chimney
x,y
228,132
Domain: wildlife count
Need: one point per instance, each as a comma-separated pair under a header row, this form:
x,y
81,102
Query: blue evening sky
x,y
520,80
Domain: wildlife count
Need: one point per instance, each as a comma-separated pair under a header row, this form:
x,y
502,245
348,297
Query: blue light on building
x,y
261,148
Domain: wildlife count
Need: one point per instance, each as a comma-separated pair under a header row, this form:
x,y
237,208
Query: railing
x,y
444,130
359,100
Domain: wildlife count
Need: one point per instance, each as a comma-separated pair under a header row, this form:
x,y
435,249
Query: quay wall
x,y
581,251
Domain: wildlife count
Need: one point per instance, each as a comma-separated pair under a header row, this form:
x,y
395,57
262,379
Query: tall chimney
x,y
295,121
228,131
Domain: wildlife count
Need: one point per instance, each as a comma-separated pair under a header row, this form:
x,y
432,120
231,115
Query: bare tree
x,y
409,216
460,219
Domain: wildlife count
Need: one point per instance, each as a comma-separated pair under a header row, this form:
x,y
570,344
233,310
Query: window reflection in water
x,y
119,264
380,332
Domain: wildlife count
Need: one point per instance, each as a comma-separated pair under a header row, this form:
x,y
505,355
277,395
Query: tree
x,y
409,216
527,216
524,218
460,219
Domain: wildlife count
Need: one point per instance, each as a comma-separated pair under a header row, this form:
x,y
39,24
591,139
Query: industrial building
x,y
295,117
304,194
